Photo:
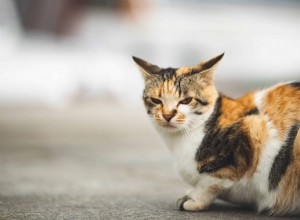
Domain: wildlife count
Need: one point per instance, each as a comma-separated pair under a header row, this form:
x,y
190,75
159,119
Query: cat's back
x,y
280,104
274,131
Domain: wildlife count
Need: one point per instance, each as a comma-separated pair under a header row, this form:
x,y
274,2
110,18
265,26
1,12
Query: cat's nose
x,y
168,116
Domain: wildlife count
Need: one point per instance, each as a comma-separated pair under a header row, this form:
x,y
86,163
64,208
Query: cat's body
x,y
244,150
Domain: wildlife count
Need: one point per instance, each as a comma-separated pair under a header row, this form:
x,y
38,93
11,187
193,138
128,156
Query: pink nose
x,y
169,115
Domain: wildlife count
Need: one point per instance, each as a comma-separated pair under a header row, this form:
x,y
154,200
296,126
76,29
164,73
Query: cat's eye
x,y
156,101
186,101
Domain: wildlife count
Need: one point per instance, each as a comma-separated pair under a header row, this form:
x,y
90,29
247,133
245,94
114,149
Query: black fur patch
x,y
198,113
253,111
168,73
283,158
225,145
214,118
295,84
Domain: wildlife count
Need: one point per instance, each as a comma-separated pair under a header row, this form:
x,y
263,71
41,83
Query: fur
x,y
244,150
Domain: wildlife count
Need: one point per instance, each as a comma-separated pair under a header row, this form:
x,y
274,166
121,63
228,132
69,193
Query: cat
x,y
244,150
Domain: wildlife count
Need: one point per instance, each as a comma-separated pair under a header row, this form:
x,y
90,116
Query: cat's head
x,y
179,99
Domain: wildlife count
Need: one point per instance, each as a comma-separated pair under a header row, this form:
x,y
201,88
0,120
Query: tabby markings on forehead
x,y
177,83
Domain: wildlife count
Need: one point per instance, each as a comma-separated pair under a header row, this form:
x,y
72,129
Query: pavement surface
x,y
91,162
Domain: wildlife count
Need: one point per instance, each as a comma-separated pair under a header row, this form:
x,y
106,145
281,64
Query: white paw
x,y
188,204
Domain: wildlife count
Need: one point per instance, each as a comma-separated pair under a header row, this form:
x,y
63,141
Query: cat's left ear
x,y
210,65
204,71
147,69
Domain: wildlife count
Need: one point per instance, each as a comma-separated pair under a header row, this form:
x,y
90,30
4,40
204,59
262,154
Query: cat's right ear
x,y
147,69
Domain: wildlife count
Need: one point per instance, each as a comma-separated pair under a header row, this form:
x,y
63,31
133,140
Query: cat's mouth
x,y
169,126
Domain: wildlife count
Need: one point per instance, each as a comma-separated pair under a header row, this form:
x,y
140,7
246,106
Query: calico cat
x,y
244,150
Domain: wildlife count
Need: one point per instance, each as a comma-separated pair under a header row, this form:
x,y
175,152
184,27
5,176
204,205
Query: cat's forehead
x,y
172,81
170,73
162,88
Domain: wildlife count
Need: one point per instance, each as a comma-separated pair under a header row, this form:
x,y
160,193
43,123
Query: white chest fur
x,y
184,148
184,145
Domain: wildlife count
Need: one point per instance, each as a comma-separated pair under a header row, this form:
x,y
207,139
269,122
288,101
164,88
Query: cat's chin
x,y
169,128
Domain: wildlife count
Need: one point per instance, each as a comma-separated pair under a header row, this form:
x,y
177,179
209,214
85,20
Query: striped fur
x,y
244,150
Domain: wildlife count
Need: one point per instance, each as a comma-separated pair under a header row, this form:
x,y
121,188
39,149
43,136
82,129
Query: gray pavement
x,y
91,162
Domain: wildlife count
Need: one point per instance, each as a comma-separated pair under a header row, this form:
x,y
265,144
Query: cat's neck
x,y
175,141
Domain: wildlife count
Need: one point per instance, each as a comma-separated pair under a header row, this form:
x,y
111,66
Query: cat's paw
x,y
188,204
181,201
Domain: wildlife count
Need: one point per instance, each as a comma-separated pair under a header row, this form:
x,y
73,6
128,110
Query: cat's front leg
x,y
198,199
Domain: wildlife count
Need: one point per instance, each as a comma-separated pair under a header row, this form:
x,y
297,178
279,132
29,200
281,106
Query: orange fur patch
x,y
255,127
233,110
282,106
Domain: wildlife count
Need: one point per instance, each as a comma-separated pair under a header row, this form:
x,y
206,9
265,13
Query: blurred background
x,y
71,116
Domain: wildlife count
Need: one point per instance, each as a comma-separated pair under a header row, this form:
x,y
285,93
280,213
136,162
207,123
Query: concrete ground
x,y
91,162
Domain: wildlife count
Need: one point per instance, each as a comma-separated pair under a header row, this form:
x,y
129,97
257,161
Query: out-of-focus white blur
x,y
54,52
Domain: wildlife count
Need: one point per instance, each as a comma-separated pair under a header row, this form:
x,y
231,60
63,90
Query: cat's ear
x,y
208,67
147,69
204,71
